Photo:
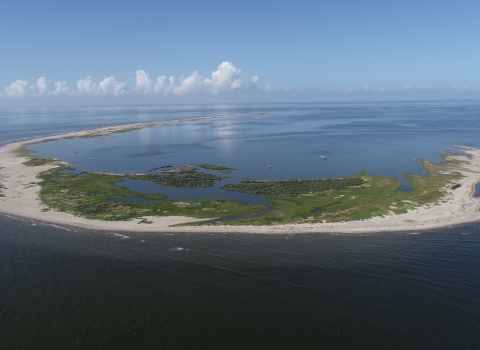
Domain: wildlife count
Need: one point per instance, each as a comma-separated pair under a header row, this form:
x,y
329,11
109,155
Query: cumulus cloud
x,y
224,80
161,84
110,86
87,86
18,88
143,82
41,87
61,88
193,84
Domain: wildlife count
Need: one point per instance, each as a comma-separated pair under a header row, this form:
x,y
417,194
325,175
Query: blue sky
x,y
271,50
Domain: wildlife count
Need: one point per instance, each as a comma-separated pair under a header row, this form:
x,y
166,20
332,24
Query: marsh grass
x,y
181,170
293,187
181,177
358,197
221,168
37,161
91,199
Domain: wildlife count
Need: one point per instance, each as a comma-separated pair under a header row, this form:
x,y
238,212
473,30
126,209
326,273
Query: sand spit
x,y
22,188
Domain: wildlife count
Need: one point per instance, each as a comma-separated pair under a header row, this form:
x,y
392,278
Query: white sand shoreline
x,y
21,200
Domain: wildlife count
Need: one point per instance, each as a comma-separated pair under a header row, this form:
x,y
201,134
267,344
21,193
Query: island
x,y
50,190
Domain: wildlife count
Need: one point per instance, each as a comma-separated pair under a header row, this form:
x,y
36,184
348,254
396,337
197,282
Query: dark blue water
x,y
122,291
70,288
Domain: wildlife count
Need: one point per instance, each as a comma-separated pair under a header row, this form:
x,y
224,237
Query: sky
x,y
84,52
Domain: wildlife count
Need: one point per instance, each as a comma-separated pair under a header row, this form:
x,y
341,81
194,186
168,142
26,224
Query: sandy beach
x,y
21,190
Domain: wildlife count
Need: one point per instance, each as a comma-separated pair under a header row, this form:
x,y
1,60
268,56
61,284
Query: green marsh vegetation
x,y
187,176
358,197
37,161
293,187
221,168
90,196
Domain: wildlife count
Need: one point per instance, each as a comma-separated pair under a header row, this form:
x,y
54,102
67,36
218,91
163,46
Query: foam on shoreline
x,y
22,188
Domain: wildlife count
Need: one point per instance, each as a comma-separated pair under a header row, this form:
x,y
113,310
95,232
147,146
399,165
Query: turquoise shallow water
x,y
73,288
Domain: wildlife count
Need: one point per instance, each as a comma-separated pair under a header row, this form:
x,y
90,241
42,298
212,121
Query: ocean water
x,y
64,287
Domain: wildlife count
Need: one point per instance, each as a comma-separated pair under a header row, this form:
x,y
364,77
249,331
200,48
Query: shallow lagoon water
x,y
65,287
382,139
183,193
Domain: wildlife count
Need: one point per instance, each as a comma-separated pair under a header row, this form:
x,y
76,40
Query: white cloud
x,y
18,88
236,84
143,82
41,87
193,84
110,86
87,86
161,84
224,80
61,88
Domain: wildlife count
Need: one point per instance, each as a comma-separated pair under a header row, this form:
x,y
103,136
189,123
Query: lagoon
x,y
382,139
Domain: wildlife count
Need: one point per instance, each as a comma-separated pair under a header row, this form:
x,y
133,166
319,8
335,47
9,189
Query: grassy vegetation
x,y
223,169
353,198
247,181
181,177
89,196
294,201
456,161
36,161
182,170
293,187
1,192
